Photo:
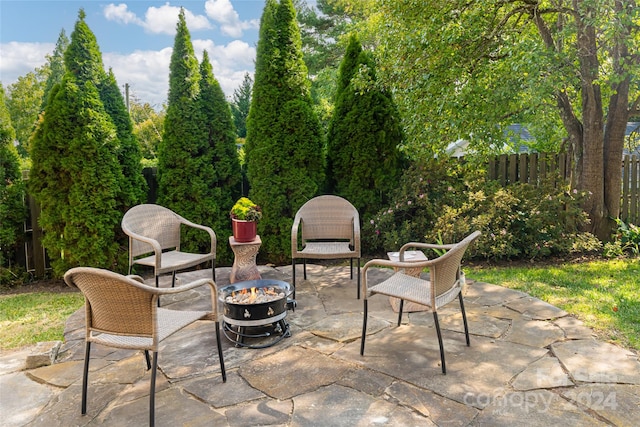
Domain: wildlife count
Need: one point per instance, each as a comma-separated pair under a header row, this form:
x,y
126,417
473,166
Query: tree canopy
x,y
569,71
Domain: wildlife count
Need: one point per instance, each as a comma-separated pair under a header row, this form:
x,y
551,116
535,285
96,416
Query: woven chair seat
x,y
330,250
169,322
174,260
413,289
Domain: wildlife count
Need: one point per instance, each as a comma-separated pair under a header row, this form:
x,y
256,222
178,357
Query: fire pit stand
x,y
256,309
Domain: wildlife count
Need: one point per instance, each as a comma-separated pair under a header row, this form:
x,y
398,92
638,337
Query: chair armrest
x,y
425,246
294,235
184,288
356,233
157,249
136,277
209,230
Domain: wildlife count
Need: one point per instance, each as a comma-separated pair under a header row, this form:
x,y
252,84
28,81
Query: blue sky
x,y
135,38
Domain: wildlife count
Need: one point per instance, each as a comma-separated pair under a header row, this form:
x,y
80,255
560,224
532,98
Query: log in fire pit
x,y
256,309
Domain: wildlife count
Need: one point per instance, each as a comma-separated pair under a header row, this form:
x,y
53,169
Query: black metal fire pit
x,y
256,309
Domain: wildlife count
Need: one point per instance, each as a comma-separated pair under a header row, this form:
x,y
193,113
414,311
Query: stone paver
x,y
529,364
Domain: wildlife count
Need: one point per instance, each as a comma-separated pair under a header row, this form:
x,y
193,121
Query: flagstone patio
x,y
529,364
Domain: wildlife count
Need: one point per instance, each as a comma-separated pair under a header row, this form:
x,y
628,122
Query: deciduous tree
x,y
468,69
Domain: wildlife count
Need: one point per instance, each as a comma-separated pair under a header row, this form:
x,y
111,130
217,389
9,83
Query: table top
x,y
257,240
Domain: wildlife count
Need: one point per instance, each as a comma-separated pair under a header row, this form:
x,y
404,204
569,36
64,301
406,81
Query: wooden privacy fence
x,y
533,168
506,168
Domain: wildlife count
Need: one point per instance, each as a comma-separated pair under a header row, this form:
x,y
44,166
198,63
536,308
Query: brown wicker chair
x,y
326,227
123,312
152,229
443,286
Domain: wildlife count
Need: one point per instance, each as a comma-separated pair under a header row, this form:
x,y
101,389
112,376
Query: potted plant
x,y
244,218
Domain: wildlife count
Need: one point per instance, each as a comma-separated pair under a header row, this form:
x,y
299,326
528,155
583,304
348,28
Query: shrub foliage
x,y
363,162
444,200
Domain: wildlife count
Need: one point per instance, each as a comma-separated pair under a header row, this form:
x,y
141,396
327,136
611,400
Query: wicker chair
x,y
152,229
326,227
122,312
443,286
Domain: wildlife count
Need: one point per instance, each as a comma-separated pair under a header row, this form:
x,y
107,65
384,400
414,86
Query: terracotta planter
x,y
243,231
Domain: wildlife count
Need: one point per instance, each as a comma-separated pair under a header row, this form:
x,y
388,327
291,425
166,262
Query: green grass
x,y
604,294
28,318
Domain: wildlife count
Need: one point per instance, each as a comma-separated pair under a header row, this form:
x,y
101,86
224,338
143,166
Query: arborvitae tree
x,y
240,105
284,146
224,187
363,162
56,66
76,175
12,210
185,169
134,187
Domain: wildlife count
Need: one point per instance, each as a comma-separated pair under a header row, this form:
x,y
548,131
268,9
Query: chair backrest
x,y
115,304
444,272
152,221
328,217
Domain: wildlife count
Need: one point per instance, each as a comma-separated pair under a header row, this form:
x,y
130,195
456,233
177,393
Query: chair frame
x,y
154,229
122,312
326,227
444,284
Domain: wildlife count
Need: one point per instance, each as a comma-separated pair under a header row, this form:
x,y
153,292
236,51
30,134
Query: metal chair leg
x,y
350,268
364,329
222,369
304,261
173,279
358,266
213,269
400,312
464,319
435,318
85,376
146,357
152,391
293,264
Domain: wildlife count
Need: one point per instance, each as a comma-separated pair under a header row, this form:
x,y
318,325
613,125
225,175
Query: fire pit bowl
x,y
256,309
254,302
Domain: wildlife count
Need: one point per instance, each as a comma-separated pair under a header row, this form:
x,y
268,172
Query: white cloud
x,y
157,20
222,12
121,13
18,59
146,72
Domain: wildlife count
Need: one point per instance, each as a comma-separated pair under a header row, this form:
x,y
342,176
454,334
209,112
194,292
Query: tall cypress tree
x,y
185,169
76,175
363,162
284,144
56,66
12,211
241,104
133,186
223,155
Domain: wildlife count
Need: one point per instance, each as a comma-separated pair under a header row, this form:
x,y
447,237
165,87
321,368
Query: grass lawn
x,y
604,294
28,318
